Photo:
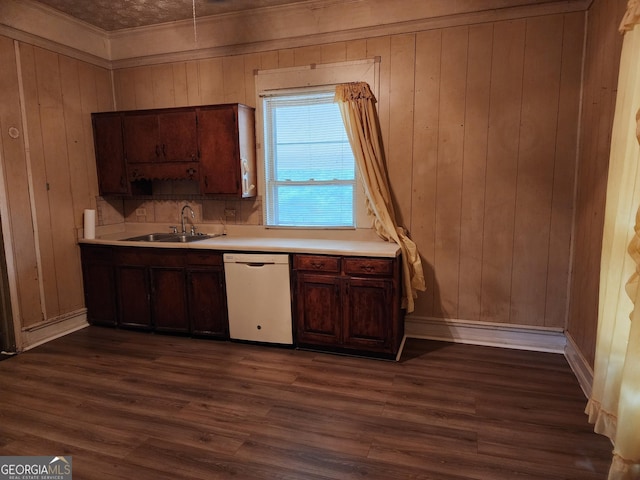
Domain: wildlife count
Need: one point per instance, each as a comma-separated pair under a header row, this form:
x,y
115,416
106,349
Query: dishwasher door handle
x,y
255,264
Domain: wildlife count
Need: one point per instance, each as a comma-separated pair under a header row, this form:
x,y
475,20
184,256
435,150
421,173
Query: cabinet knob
x,y
367,268
317,265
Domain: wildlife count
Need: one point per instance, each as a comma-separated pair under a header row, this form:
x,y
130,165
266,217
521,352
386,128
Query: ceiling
x,y
111,15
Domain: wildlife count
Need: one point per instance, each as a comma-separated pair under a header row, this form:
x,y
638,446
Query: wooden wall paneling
x,y
584,286
180,84
17,191
476,128
39,180
144,95
425,162
104,89
72,299
602,58
333,52
381,47
252,62
194,94
88,83
453,81
536,158
75,136
564,171
125,91
211,81
163,86
400,138
286,58
233,79
584,289
60,201
307,55
356,50
269,60
502,158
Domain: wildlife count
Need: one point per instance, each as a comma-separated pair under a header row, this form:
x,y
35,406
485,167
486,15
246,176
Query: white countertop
x,y
256,239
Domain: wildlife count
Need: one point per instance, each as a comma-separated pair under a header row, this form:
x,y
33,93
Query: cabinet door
x,y
368,313
168,294
141,138
109,151
319,318
178,138
207,302
99,285
219,150
134,296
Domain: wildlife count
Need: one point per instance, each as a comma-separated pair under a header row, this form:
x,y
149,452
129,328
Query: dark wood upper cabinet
x,y
213,146
160,136
110,162
226,134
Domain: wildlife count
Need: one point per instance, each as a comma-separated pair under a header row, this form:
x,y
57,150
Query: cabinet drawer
x,y
317,263
155,257
204,258
96,255
368,266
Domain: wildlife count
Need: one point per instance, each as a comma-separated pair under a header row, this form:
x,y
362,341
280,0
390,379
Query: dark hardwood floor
x,y
131,405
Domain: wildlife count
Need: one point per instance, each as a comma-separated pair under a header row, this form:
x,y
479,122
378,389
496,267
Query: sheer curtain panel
x,y
614,404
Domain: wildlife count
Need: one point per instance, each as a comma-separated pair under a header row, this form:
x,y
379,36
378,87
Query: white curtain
x,y
614,405
357,105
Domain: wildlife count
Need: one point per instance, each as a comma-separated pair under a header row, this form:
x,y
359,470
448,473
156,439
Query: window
x,y
309,165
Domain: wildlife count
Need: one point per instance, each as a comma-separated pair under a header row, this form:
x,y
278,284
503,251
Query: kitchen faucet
x,y
193,215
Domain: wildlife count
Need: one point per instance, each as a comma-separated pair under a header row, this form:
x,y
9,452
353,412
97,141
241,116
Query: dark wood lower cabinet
x,y
151,289
342,304
207,294
348,304
99,285
155,289
133,296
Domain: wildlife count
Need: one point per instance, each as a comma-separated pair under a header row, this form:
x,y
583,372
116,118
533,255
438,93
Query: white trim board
x,y
50,330
488,334
581,368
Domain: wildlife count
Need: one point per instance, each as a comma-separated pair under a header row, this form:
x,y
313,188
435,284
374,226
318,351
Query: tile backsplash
x,y
113,210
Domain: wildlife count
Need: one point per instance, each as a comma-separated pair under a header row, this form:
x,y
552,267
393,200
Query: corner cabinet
x,y
348,304
212,145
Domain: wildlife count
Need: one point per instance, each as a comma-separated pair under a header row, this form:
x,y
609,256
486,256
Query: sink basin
x,y
151,237
185,238
170,237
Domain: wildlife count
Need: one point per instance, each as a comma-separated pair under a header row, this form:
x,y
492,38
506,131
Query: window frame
x,y
271,183
309,78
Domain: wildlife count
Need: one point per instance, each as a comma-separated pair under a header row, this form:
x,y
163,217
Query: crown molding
x,y
272,28
37,24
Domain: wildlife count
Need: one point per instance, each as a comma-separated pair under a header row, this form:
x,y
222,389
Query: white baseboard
x,y
488,334
581,368
54,328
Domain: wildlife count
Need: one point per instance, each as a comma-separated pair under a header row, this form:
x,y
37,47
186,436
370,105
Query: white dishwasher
x,y
259,297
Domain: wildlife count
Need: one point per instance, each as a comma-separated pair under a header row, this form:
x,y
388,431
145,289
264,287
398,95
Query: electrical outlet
x,y
229,212
141,212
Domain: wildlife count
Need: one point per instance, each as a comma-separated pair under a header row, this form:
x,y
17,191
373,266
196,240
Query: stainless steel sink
x,y
151,237
170,237
185,238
